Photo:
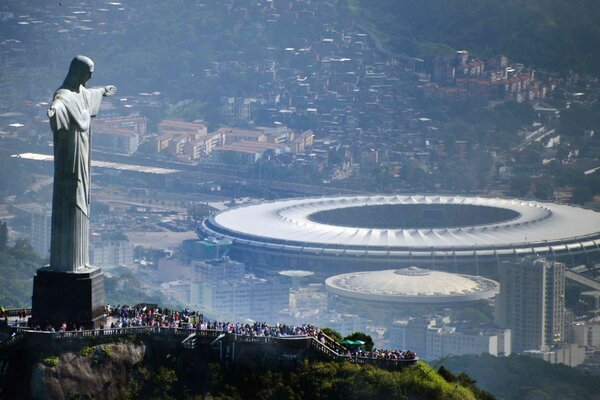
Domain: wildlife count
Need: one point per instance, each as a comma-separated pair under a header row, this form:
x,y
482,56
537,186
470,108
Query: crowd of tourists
x,y
148,315
154,316
158,317
383,354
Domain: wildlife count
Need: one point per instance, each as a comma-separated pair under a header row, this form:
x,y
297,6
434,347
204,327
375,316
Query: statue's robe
x,y
71,129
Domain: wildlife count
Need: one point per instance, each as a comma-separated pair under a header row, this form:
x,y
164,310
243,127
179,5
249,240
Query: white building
x,y
225,288
40,226
531,302
435,338
110,253
568,354
217,270
587,333
449,340
116,140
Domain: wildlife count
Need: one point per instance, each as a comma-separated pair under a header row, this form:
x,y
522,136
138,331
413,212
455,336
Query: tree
x,y
332,333
520,185
362,336
582,194
3,236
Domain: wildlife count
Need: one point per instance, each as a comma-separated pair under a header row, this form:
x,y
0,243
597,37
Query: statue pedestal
x,y
71,297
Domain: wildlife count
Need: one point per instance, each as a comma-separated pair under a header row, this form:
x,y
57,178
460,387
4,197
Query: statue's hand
x,y
110,90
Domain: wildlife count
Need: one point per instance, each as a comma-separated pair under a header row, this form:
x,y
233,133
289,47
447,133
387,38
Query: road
x,y
591,283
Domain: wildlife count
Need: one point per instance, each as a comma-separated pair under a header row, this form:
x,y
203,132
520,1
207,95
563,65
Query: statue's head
x,y
80,71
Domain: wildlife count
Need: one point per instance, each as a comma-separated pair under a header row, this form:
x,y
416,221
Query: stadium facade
x,y
461,234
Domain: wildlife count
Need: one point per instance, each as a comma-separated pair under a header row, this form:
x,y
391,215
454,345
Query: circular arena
x,y
370,232
411,285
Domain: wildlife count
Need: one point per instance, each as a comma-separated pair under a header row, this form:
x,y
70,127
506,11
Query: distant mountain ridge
x,y
550,34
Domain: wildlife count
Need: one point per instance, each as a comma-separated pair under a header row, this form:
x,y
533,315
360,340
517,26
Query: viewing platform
x,y
229,347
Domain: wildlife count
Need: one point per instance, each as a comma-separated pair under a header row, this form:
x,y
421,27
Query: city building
x,y
232,135
411,333
193,130
224,287
246,152
116,140
587,333
239,108
161,142
531,302
211,141
111,253
206,249
457,341
278,134
40,226
133,123
568,354
176,145
436,338
302,142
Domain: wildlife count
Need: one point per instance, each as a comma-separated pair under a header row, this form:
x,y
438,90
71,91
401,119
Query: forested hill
x,y
521,377
552,34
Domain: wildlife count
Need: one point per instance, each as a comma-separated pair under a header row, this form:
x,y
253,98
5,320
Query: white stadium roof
x,y
412,285
524,227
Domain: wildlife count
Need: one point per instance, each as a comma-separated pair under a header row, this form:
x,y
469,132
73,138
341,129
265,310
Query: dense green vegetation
x,y
13,179
19,263
551,34
312,380
164,372
362,337
17,267
522,377
123,287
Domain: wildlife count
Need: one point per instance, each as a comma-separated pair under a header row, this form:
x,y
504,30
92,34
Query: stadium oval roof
x,y
470,226
412,285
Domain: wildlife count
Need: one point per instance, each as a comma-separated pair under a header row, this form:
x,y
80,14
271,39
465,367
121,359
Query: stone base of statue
x,y
68,297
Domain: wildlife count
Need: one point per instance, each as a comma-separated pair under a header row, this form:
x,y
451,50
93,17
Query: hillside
x,y
17,267
19,263
142,368
520,377
550,34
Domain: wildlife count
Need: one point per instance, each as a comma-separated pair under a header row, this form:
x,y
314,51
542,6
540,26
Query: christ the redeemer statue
x,y
70,114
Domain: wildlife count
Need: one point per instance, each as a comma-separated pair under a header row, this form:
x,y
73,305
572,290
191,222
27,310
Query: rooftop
x,y
412,285
451,224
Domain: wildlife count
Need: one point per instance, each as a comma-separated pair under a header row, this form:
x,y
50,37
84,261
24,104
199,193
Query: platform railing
x,y
325,347
14,312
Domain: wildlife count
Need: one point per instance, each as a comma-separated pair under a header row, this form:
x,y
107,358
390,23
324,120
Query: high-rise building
x,y
531,302
40,224
110,253
587,333
457,341
436,338
224,287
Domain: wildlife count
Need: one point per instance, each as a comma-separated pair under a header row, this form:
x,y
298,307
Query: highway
x,y
591,283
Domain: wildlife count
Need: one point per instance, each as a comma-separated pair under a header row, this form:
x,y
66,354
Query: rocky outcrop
x,y
99,372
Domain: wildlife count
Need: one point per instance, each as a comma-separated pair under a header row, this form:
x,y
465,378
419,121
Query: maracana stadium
x,y
332,235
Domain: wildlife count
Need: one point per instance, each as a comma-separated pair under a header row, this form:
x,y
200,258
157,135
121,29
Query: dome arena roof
x,y
412,285
400,225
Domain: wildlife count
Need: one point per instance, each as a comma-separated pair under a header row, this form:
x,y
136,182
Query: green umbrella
x,y
347,342
359,342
